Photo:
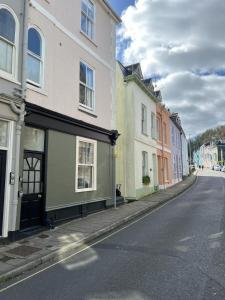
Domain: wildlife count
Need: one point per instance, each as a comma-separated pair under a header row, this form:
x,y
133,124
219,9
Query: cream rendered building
x,y
136,153
66,159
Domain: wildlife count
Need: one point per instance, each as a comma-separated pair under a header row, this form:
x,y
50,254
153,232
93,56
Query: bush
x,y
146,180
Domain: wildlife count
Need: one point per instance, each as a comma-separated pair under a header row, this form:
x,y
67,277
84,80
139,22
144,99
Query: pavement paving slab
x,y
23,255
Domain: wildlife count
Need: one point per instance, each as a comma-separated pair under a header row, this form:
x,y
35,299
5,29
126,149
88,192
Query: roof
x,y
135,69
112,11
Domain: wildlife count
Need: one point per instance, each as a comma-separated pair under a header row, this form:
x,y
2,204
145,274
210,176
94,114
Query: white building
x,y
136,122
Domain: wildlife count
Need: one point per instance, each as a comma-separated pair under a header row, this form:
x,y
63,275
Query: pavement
x,y
58,243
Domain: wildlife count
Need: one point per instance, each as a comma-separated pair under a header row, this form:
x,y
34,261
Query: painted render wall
x,y
176,152
62,56
61,164
131,142
185,161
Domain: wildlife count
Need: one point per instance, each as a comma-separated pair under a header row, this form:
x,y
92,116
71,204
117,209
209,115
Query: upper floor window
x,y
158,121
144,119
87,18
86,86
7,41
34,57
164,133
153,125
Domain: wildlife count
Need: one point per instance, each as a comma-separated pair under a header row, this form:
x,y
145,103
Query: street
x,y
175,252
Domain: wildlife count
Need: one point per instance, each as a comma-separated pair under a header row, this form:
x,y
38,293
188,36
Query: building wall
x,y
61,173
185,162
8,84
132,142
65,47
176,152
163,146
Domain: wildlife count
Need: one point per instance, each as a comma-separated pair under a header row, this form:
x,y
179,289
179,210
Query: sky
x,y
180,44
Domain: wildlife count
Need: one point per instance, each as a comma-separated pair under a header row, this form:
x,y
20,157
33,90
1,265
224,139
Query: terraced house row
x,y
64,100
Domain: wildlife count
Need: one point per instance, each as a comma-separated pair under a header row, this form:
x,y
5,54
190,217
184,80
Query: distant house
x,y
136,161
163,146
212,153
176,148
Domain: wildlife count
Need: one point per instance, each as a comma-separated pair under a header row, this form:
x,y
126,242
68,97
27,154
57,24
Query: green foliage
x,y
146,180
209,135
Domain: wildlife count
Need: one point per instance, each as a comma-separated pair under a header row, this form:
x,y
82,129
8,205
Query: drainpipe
x,y
113,138
20,111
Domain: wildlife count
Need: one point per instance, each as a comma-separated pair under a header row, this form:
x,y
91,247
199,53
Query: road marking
x,y
99,241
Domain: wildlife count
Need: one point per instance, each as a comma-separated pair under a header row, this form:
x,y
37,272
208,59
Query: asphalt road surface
x,y
176,252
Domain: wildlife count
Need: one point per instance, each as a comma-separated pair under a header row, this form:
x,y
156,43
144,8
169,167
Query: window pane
x,y
83,23
6,54
90,78
37,188
7,25
31,176
89,98
33,69
89,28
90,154
82,153
34,140
91,12
25,176
82,73
34,41
3,133
31,188
85,177
84,7
82,94
25,188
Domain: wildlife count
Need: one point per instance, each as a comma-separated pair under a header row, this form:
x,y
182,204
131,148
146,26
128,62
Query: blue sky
x,y
120,5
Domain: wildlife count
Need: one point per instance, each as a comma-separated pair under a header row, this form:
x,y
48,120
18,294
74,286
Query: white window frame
x,y
93,21
94,185
14,75
42,59
144,119
92,109
153,125
144,163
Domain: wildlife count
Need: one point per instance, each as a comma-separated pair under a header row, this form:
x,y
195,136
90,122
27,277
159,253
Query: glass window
x,y
86,86
143,119
144,163
87,18
34,139
34,57
7,40
3,133
153,126
86,165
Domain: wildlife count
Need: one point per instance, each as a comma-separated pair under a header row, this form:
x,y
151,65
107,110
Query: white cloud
x,y
178,39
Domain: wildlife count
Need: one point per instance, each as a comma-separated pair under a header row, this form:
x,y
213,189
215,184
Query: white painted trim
x,y
94,142
14,75
5,221
73,37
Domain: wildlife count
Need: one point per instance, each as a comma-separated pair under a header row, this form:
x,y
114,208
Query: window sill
x,y
85,190
36,89
87,111
10,78
87,37
145,134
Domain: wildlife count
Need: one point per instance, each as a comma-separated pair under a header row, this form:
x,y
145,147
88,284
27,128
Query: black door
x,y
2,185
32,200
